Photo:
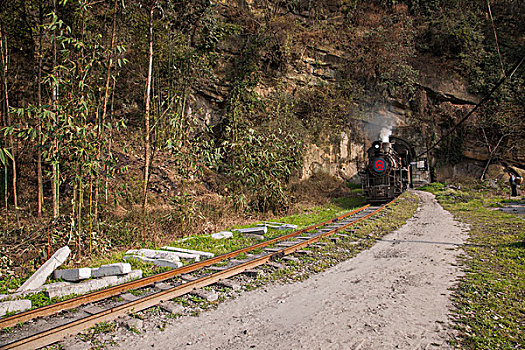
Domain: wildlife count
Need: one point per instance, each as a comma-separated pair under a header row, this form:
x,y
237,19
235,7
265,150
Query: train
x,y
387,171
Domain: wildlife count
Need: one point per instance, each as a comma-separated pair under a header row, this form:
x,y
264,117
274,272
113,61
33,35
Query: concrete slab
x,y
56,285
333,226
323,230
272,250
279,226
14,306
163,286
90,285
189,251
41,275
222,235
259,230
217,268
81,287
286,244
133,275
291,258
111,270
156,262
276,265
304,252
229,284
251,273
73,275
188,278
207,295
156,254
128,297
256,236
93,309
172,307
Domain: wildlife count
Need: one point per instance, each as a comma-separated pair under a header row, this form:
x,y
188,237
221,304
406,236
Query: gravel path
x,y
394,295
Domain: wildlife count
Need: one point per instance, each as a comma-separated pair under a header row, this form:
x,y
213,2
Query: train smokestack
x,y
387,147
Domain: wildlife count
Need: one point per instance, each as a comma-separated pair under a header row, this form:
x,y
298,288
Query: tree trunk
x,y
40,185
105,103
110,138
492,152
147,145
55,182
5,63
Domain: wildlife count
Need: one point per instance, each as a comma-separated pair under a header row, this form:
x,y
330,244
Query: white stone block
x,y
156,262
14,306
182,255
81,287
73,275
222,235
154,254
111,270
133,275
279,226
259,230
62,290
40,276
189,251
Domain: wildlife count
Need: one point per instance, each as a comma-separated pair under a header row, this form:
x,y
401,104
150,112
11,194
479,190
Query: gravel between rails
x,y
394,295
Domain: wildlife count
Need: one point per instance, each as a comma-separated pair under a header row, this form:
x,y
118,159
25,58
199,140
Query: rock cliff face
x,y
336,48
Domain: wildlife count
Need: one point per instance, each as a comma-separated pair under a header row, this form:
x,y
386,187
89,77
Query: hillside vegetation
x,y
128,122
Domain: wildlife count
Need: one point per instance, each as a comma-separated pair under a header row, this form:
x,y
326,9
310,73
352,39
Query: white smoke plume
x,y
380,123
385,133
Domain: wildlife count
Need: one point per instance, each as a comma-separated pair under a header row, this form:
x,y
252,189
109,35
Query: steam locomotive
x,y
387,172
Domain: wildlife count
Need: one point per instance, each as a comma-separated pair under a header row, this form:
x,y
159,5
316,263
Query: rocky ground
x,y
395,295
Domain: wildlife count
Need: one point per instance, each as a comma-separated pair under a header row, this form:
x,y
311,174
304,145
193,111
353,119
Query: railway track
x,y
173,283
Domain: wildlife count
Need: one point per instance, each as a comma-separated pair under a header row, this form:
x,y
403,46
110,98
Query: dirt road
x,y
394,295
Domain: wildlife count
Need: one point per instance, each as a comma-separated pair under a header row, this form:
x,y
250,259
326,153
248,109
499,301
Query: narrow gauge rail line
x,y
55,334
116,290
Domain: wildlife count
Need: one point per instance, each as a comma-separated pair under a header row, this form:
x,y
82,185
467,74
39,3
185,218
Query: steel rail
x,y
118,289
57,333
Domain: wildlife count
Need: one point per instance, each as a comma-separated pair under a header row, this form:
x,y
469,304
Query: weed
x,y
136,315
133,329
6,330
104,327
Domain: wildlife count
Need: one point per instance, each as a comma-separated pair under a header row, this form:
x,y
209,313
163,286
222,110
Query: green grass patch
x,y
307,218
490,299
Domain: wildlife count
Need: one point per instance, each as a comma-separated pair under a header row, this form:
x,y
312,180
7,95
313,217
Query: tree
x,y
147,97
4,65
